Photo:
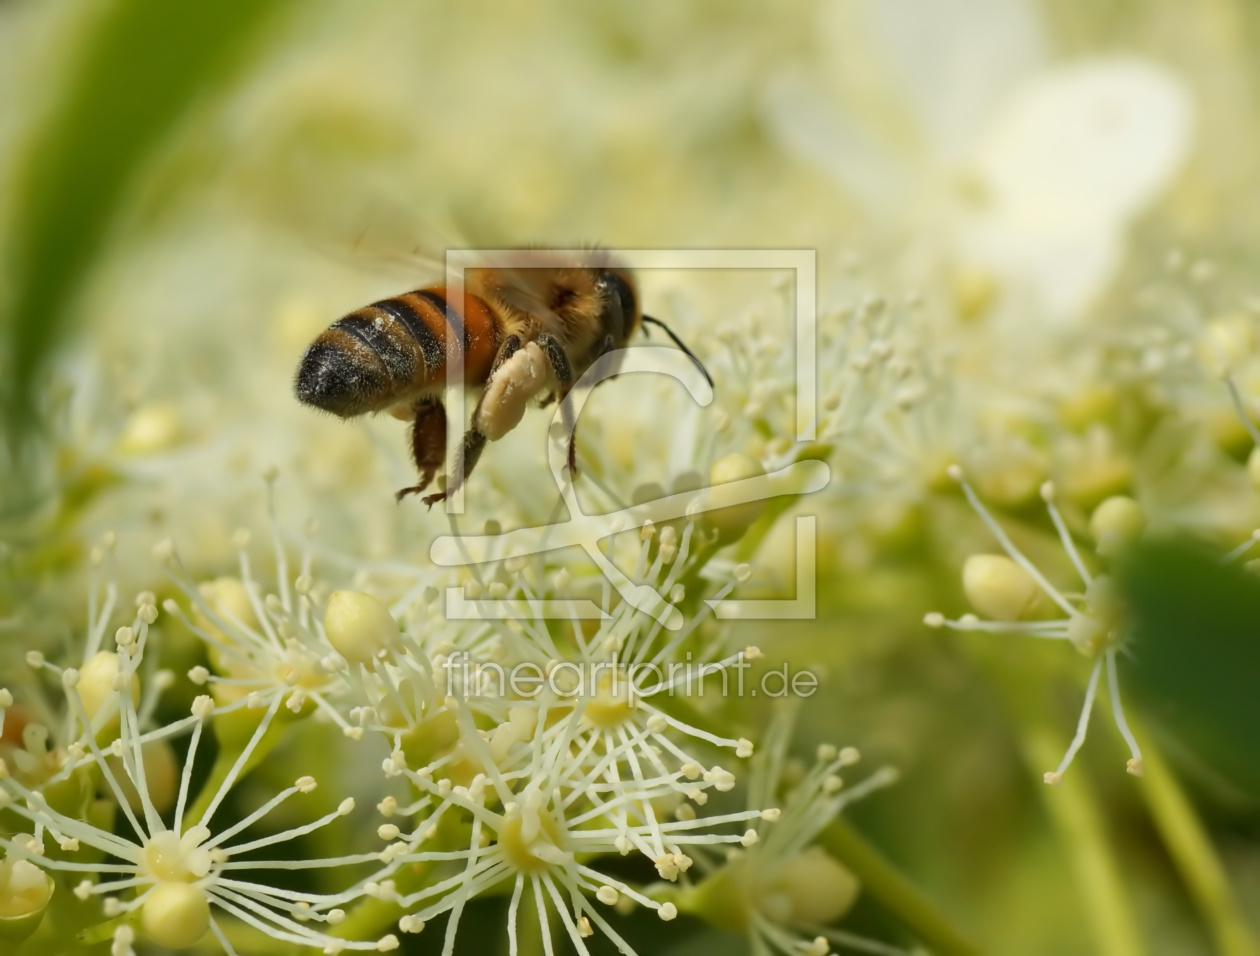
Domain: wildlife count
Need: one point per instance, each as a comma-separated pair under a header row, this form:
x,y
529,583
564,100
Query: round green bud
x,y
816,889
359,626
175,915
96,688
998,588
722,513
1115,524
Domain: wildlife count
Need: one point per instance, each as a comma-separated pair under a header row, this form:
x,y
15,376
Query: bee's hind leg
x,y
474,441
469,451
428,444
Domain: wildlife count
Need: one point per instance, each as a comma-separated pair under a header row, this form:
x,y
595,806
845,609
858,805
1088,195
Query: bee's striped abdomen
x,y
444,333
392,350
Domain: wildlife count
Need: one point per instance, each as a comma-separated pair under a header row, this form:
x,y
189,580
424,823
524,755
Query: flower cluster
x,y
526,793
531,722
170,870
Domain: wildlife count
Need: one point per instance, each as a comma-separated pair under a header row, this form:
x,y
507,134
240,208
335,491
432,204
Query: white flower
x,y
1005,588
1019,171
53,735
261,643
612,678
175,875
585,765
1069,161
558,811
782,889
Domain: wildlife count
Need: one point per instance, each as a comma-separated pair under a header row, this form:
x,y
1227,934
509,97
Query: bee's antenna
x,y
679,342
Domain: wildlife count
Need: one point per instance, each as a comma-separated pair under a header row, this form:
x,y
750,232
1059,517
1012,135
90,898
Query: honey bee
x,y
521,333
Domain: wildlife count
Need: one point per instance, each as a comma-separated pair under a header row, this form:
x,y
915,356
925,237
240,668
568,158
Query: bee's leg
x,y
474,441
563,372
428,443
511,345
558,360
571,426
469,451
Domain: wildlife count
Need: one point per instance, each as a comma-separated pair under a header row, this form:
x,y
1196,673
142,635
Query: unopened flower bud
x,y
175,915
725,511
997,587
359,626
821,890
97,679
1115,524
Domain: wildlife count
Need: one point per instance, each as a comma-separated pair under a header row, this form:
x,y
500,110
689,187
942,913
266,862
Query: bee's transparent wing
x,y
393,238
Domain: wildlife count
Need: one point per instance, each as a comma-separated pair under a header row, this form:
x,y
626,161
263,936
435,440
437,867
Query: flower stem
x,y
529,930
1194,856
368,919
886,883
244,723
1073,808
371,917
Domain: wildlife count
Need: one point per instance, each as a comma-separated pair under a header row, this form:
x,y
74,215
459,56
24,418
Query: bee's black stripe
x,y
453,319
364,333
402,311
399,361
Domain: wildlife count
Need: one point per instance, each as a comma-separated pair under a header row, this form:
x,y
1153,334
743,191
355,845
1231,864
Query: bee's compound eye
x,y
621,305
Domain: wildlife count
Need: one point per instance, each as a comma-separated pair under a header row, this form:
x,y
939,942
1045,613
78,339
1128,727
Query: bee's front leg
x,y
563,371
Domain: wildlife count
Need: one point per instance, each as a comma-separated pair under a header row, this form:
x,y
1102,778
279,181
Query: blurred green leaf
x,y
1196,653
144,65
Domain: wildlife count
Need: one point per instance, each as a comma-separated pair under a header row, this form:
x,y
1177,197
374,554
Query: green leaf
x,y
1196,653
144,65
